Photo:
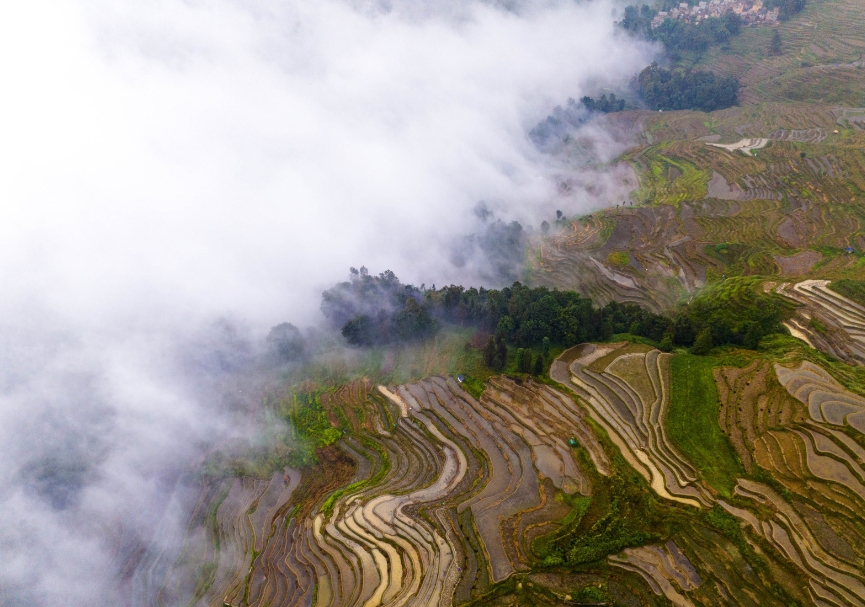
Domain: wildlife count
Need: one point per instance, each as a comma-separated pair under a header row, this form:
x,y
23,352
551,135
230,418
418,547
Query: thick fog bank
x,y
166,164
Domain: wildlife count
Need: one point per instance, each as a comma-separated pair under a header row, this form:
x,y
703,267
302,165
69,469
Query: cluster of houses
x,y
751,11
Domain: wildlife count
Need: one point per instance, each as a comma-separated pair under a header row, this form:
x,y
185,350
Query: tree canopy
x,y
677,35
663,89
604,104
732,312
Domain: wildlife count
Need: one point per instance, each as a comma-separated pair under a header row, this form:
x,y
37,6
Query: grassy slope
x,y
692,421
851,289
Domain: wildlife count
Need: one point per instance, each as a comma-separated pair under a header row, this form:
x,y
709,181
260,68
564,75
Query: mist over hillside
x,y
179,177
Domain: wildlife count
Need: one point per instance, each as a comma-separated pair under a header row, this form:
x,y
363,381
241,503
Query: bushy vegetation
x,y
310,421
638,19
604,104
786,8
377,309
731,312
285,342
597,527
525,316
663,89
559,123
678,36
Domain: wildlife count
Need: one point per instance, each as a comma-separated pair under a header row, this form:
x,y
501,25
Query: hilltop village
x,y
751,12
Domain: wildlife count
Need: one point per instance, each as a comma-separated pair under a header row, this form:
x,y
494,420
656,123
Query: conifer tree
x,y
775,45
539,365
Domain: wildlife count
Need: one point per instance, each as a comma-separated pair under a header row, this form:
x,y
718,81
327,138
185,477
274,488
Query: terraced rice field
x,y
827,400
812,535
827,320
752,401
831,579
444,497
786,425
667,571
434,497
821,56
629,397
789,209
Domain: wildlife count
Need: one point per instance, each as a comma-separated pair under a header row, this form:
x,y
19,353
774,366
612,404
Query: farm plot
x,y
727,579
241,521
789,208
746,146
820,469
831,580
827,320
440,509
752,401
781,213
578,258
629,397
667,571
447,497
827,400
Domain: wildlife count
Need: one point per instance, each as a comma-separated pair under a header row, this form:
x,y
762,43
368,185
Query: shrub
x,y
703,343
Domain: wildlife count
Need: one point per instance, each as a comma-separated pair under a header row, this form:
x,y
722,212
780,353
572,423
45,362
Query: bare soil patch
x,y
799,264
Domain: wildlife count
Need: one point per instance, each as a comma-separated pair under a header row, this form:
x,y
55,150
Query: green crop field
x,y
693,421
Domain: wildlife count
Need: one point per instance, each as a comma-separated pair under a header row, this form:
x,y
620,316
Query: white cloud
x,y
166,162
220,156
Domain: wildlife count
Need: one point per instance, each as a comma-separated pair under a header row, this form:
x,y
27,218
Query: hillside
x,y
635,468
821,58
790,206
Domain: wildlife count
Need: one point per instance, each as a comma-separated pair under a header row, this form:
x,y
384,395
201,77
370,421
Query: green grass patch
x,y
544,545
692,421
670,180
619,258
818,326
473,386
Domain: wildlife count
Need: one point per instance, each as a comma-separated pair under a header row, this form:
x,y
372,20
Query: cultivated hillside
x,y
653,468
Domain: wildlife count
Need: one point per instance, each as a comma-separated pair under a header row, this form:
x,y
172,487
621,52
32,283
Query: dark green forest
x,y
786,8
678,36
374,310
604,104
663,89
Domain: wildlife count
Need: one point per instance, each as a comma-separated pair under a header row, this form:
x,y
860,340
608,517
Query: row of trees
x,y
604,104
732,312
663,89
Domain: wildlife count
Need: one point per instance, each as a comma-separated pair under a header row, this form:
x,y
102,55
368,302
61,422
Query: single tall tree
x,y
501,353
703,343
775,45
539,365
491,353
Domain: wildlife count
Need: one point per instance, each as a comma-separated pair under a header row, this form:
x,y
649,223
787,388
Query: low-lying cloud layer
x,y
169,163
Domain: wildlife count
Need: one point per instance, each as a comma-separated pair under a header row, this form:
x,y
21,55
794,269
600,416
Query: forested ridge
x,y
685,89
373,310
